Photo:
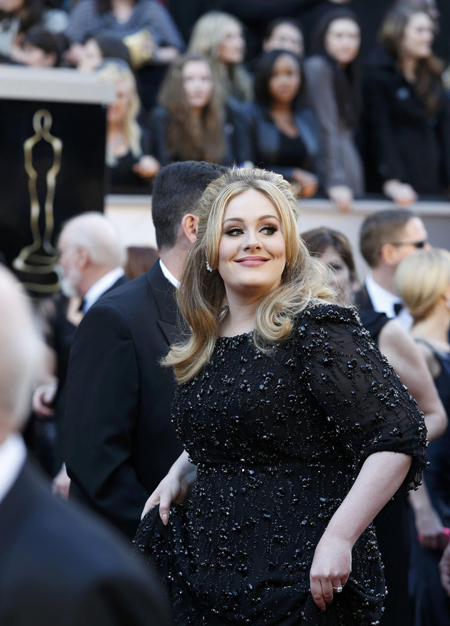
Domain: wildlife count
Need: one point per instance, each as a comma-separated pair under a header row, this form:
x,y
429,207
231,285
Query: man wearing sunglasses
x,y
386,238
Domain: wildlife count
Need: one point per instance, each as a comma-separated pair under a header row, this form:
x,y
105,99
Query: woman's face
x,y
340,278
342,40
197,83
91,57
232,47
418,37
252,248
36,57
284,84
11,6
286,37
117,110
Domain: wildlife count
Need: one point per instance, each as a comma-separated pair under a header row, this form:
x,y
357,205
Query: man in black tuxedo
x,y
119,440
91,256
386,238
58,566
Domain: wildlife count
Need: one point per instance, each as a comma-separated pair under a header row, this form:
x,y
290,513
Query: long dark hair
x,y
187,137
319,239
263,74
347,81
428,84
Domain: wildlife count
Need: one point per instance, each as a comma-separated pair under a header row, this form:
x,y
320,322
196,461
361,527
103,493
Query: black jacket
x,y
265,140
234,133
402,141
119,441
59,566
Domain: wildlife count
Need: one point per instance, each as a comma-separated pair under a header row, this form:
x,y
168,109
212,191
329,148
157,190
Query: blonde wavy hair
x,y
208,33
202,293
421,279
113,73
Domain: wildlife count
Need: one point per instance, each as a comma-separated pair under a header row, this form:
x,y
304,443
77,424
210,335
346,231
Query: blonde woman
x,y
219,37
423,282
127,146
296,431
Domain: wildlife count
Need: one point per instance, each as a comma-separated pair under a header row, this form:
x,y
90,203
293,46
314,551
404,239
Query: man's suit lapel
x,y
169,318
362,299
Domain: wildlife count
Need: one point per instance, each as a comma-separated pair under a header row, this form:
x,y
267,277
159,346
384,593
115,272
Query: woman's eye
x,y
336,268
269,230
233,232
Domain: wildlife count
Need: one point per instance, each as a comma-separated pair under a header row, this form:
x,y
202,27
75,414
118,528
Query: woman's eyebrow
x,y
240,219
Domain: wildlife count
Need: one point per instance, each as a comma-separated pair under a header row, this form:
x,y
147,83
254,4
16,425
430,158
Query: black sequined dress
x,y
278,440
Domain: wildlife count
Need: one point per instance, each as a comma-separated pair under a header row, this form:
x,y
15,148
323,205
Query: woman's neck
x,y
408,66
435,327
114,130
240,317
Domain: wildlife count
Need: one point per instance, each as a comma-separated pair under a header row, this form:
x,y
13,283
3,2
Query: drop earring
x,y
208,266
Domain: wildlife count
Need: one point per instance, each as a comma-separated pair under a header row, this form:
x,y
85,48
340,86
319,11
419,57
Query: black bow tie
x,y
398,306
81,307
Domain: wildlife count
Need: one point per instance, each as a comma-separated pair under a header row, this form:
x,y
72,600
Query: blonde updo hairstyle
x,y
202,293
422,279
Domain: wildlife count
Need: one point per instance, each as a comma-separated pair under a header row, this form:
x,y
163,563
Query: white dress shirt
x,y
99,288
12,457
170,277
383,301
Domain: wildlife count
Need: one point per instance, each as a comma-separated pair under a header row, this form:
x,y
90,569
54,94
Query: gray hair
x,y
22,353
99,236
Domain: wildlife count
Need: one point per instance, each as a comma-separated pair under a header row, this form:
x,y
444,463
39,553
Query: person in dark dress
x,y
423,281
393,522
406,111
191,122
295,427
130,166
284,134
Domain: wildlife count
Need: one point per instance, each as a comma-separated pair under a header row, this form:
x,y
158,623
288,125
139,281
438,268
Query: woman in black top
x,y
407,111
283,134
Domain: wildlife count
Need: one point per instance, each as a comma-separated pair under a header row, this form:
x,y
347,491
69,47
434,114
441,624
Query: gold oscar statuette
x,y
40,258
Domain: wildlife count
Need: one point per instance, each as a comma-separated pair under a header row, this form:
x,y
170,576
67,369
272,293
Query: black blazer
x,y
119,441
264,140
59,566
402,141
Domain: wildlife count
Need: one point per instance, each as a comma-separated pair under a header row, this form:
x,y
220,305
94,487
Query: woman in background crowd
x,y
284,34
407,111
190,124
423,282
40,48
219,37
127,146
333,81
392,523
16,19
161,41
97,49
283,134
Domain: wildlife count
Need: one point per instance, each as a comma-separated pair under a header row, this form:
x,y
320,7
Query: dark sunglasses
x,y
417,244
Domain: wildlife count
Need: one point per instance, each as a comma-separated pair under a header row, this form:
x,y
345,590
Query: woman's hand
x,y
308,182
147,167
330,568
401,193
430,530
174,488
342,196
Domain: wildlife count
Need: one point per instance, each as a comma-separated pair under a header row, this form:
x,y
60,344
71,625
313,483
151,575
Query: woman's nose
x,y
252,241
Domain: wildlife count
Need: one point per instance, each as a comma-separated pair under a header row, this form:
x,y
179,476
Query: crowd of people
x,y
308,104
245,431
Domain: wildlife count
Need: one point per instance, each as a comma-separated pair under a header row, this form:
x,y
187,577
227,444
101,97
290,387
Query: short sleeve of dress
x,y
358,389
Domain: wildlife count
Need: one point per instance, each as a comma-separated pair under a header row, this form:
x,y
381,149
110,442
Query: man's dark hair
x,y
50,43
381,228
176,191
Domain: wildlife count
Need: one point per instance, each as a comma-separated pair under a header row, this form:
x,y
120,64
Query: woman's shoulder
x,y
327,314
317,65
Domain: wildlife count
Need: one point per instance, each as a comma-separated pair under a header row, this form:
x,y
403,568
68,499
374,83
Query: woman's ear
x,y
189,224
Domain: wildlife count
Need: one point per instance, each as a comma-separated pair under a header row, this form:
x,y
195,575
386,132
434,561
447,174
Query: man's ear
x,y
388,254
189,224
82,258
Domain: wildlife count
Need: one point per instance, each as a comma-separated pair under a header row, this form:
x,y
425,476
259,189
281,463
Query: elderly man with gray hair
x,y
57,564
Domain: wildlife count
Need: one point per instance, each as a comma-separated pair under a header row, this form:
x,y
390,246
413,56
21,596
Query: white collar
x,y
12,457
99,288
383,301
168,274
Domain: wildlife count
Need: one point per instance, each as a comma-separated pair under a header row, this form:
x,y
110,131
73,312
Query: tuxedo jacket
x,y
362,299
59,566
119,441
